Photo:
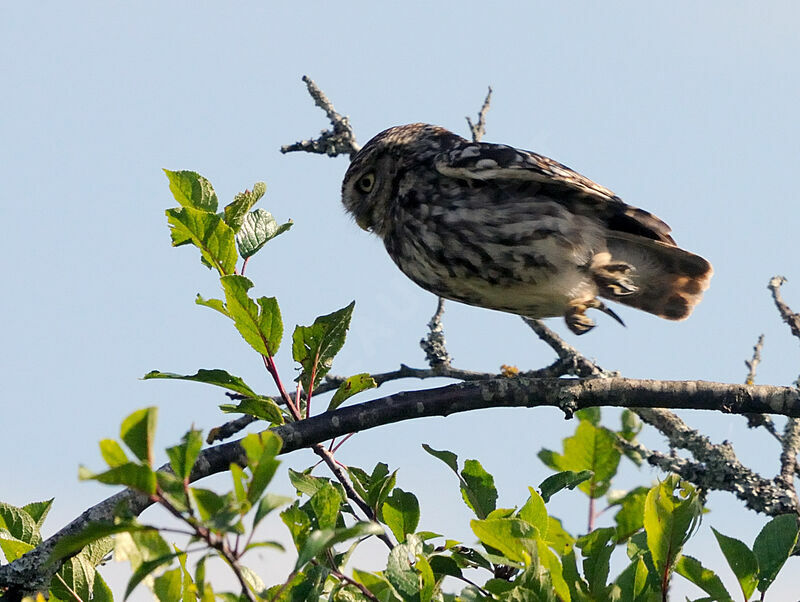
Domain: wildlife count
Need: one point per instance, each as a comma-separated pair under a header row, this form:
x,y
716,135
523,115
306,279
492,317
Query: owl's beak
x,y
363,222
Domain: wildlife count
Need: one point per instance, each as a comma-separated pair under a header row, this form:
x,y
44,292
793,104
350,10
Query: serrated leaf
x,y
19,524
351,386
326,503
773,546
742,561
630,517
257,229
400,512
236,211
138,431
218,378
566,479
259,322
182,457
136,476
590,448
513,537
399,570
298,522
262,408
322,539
669,520
92,532
478,489
596,548
267,504
315,346
12,548
38,510
145,569
705,579
190,189
208,232
215,304
444,455
535,513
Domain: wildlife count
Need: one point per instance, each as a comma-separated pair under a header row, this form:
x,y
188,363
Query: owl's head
x,y
371,184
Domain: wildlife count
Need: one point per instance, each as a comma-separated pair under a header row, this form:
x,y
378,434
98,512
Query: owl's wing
x,y
485,161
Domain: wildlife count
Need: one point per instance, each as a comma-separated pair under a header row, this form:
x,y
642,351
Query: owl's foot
x,y
577,320
614,279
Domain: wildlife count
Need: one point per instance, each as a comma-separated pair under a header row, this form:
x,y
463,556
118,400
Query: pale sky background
x,y
686,109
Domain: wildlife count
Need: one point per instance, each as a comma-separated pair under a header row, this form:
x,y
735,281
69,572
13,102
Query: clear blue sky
x,y
688,110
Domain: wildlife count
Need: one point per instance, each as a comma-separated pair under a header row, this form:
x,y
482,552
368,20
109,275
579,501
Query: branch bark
x,y
31,572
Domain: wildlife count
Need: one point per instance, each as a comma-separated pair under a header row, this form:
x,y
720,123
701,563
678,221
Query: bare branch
x,y
790,448
434,344
479,129
337,141
788,316
752,364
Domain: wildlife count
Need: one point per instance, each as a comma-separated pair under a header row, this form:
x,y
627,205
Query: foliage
x,y
519,553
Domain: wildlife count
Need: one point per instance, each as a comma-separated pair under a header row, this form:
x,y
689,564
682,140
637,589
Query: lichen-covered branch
x,y
787,315
340,140
569,395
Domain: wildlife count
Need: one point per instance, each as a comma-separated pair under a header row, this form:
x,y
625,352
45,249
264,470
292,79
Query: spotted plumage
x,y
498,227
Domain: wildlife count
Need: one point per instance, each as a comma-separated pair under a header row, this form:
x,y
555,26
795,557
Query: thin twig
x,y
788,316
580,365
479,129
337,141
753,363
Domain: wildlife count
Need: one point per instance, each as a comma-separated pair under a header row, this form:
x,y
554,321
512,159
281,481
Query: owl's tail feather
x,y
668,281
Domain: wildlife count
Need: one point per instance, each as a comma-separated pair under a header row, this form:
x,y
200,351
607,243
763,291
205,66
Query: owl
x,y
494,226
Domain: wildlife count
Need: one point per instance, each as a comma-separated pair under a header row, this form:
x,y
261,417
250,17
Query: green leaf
x,y
92,532
13,548
113,453
400,512
235,212
19,524
182,457
535,513
445,456
267,504
513,537
133,475
742,561
258,228
218,378
138,431
773,546
399,570
557,537
669,520
428,580
477,488
326,503
145,569
306,483
191,189
322,539
633,582
596,548
215,304
315,346
38,510
567,479
259,322
263,408
261,450
351,386
167,586
207,232
590,448
298,523
553,568
705,579
630,517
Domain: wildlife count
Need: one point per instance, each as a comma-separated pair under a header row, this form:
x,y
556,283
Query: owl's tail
x,y
668,281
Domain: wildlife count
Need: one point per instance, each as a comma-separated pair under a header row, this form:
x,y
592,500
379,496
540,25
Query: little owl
x,y
498,227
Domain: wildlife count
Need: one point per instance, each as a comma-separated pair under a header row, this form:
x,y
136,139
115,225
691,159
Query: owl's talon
x,y
614,279
577,320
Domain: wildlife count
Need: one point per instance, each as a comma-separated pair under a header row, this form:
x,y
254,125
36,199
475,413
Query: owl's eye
x,y
366,182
